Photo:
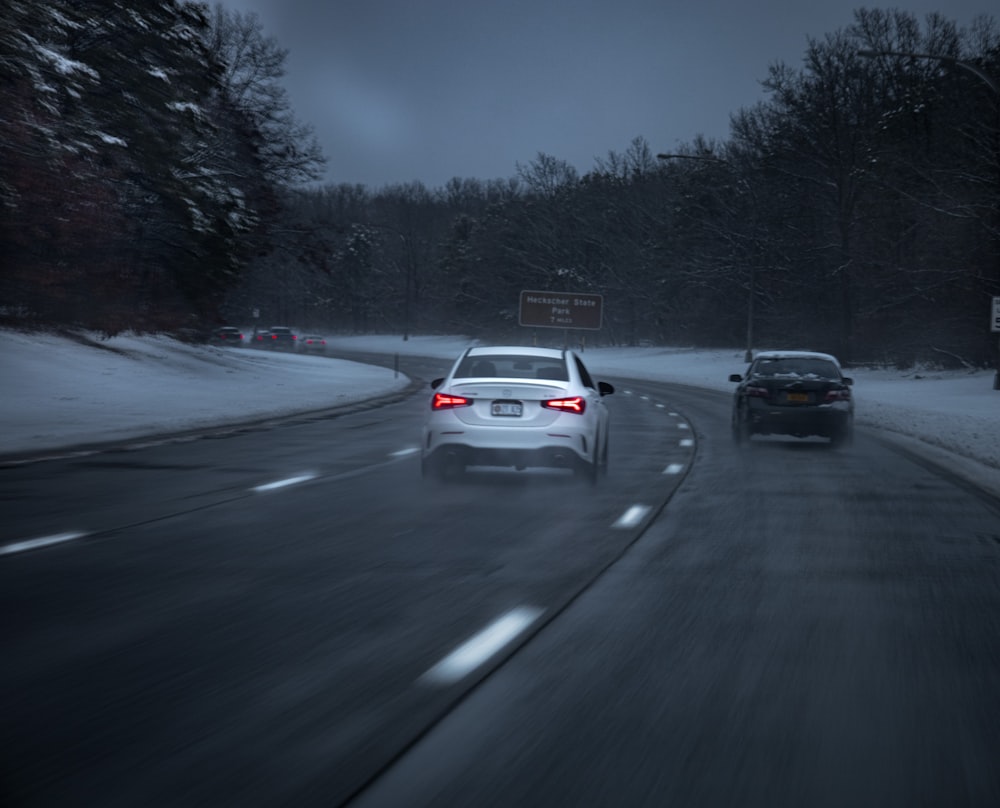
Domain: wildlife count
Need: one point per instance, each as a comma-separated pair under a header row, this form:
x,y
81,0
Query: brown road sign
x,y
561,310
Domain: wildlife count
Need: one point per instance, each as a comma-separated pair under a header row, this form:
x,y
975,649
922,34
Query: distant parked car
x,y
311,343
798,393
261,339
282,338
227,335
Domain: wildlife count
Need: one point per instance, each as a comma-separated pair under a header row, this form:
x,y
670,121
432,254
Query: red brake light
x,y
442,401
577,404
755,391
841,394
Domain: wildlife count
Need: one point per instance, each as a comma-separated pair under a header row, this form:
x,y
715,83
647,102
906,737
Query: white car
x,y
520,407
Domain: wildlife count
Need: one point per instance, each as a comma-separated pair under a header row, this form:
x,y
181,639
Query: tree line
x,y
855,209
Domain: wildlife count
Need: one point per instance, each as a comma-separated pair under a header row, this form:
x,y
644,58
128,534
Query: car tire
x,y
442,469
588,472
603,469
742,431
430,469
843,436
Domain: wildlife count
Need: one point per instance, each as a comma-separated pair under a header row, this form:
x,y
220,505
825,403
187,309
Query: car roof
x,y
797,355
516,350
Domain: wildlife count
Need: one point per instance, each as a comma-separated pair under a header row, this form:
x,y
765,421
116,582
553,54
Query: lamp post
x,y
748,354
947,60
951,61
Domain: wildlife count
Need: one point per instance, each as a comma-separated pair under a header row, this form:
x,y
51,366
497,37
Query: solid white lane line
x,y
674,468
44,541
480,648
687,442
632,516
302,478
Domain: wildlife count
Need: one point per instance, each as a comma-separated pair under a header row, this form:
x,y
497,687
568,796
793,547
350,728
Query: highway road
x,y
288,615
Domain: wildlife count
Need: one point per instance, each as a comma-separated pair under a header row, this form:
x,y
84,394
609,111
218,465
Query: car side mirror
x,y
436,384
847,380
735,377
605,389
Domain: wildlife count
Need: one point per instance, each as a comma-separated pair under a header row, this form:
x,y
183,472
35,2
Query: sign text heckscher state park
x,y
561,310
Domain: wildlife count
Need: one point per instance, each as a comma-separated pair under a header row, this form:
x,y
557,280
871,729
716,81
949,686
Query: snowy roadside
x,y
58,392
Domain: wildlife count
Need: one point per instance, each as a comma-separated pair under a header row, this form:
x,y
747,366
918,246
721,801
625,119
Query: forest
x,y
154,178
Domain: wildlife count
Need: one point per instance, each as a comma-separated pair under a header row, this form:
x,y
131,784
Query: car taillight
x,y
840,394
577,404
753,391
443,401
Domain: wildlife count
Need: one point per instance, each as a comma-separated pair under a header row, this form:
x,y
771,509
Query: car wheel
x,y
587,472
742,431
843,436
442,468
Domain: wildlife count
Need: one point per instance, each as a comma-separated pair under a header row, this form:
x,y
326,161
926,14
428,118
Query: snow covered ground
x,y
58,392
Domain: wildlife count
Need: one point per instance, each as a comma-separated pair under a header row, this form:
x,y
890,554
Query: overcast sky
x,y
428,90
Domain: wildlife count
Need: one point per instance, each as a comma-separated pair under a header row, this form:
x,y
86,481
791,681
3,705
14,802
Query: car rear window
x,y
796,366
512,367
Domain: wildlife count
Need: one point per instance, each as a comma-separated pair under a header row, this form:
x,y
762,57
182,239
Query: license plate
x,y
510,409
802,398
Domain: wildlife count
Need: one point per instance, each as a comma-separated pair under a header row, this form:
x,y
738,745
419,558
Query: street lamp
x,y
748,354
948,60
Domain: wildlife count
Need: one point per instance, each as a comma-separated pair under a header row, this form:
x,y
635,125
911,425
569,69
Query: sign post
x,y
561,310
995,328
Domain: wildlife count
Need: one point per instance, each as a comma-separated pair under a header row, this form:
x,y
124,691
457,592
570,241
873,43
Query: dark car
x,y
800,393
311,343
282,338
261,339
227,335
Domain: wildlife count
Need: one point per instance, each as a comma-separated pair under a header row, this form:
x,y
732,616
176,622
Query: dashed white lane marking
x,y
44,541
481,647
302,478
682,425
633,516
662,406
674,468
404,452
686,442
673,414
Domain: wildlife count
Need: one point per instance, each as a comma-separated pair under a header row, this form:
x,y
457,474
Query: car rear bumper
x,y
824,421
545,456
